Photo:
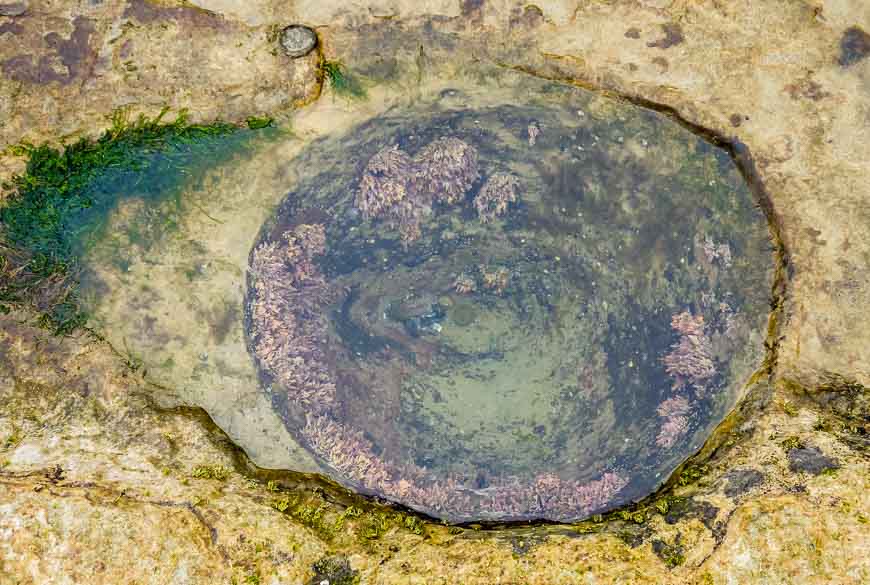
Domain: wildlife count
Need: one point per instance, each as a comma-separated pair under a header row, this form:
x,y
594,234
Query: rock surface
x,y
101,486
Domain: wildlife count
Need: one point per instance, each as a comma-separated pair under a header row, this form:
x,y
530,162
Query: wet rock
x,y
854,46
334,571
298,40
671,555
741,481
13,9
810,460
523,545
690,508
634,535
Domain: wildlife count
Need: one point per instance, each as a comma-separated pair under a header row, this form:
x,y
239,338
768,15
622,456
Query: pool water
x,y
508,311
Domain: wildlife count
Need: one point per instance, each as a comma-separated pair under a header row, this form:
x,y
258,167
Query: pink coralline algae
x,y
346,450
534,131
546,496
447,169
388,189
690,360
499,191
402,189
288,293
385,183
549,496
713,252
672,429
674,412
464,284
495,280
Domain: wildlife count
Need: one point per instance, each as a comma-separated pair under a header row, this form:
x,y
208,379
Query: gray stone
x,y
810,460
298,40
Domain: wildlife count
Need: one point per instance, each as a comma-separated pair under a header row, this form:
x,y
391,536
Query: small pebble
x,y
298,40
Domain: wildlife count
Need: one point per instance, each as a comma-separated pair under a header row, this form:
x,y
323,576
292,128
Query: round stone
x,y
298,40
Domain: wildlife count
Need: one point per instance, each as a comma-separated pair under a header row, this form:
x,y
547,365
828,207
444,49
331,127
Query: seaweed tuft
x,y
60,203
343,83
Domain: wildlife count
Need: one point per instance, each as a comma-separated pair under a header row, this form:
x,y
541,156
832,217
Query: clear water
x,y
552,359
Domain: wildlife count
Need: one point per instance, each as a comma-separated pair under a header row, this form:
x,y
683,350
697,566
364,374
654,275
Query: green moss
x,y
690,475
824,425
62,193
375,525
414,525
789,408
255,123
311,514
217,472
791,443
58,207
638,517
13,439
335,571
672,555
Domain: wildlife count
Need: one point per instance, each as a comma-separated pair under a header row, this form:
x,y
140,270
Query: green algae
x,y
343,82
215,472
58,207
60,200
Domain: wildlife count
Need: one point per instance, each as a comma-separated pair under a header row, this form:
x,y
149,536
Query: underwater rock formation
x,y
690,360
287,307
499,191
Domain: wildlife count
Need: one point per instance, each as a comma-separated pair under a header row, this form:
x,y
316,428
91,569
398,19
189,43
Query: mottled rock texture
x,y
99,486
